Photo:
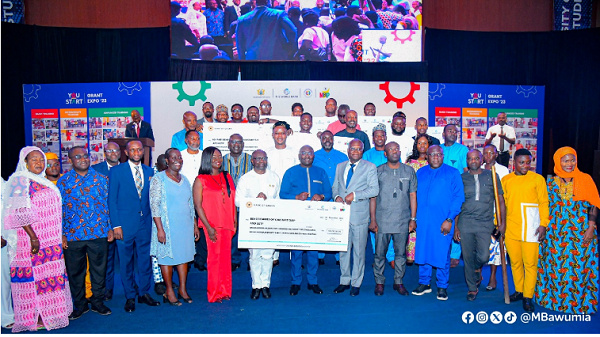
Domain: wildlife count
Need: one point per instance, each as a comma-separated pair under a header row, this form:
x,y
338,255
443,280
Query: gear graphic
x,y
28,95
130,88
399,101
192,98
526,91
409,38
438,90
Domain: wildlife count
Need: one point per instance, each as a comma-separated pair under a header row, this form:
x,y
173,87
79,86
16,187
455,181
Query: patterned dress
x,y
567,271
39,283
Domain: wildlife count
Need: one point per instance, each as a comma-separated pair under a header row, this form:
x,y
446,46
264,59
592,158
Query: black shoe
x,y
472,295
101,309
234,266
187,300
255,294
108,295
378,289
321,262
354,291
275,263
341,288
199,267
147,299
401,289
266,292
528,304
294,289
78,313
422,289
130,305
160,288
315,288
516,296
442,295
167,300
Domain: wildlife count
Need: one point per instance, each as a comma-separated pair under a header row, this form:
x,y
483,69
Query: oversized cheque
x,y
293,224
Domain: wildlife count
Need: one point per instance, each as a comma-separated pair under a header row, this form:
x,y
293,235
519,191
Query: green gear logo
x,y
192,98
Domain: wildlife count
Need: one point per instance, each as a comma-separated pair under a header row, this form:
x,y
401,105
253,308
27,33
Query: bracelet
x,y
34,240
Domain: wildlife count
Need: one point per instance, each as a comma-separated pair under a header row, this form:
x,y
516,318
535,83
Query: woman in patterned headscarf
x,y
32,206
568,263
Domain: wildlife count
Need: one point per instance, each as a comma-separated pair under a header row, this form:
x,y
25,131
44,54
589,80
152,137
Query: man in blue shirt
x,y
86,230
455,155
327,158
189,123
305,182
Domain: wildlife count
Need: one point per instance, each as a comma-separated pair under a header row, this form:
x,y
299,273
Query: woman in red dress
x,y
214,196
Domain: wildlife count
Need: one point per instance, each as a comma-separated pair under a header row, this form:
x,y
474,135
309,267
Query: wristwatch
x,y
413,219
449,220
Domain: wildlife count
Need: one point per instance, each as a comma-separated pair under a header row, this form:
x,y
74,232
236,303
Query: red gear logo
x,y
399,101
409,38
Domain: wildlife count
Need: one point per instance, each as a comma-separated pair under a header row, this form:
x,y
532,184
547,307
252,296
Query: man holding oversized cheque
x,y
305,182
355,182
259,183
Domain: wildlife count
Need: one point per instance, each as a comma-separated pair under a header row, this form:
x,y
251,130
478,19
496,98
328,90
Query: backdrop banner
x,y
572,14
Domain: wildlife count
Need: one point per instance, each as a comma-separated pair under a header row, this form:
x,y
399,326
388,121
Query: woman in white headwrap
x,y
32,207
195,19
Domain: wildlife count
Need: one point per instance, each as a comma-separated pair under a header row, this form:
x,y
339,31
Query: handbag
x,y
410,247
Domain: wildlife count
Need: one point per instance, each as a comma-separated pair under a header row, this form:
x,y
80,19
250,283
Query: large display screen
x,y
313,30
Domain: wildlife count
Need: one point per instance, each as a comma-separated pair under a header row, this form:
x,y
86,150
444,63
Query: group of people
x,y
417,197
285,30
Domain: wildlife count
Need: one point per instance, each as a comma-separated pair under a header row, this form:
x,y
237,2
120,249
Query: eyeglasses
x,y
236,110
265,105
79,156
306,153
111,151
437,154
259,158
53,165
236,141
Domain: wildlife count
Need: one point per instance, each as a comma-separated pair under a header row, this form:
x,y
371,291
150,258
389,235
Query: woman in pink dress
x,y
32,208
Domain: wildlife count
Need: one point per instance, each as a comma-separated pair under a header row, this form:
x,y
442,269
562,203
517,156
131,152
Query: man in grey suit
x,y
355,182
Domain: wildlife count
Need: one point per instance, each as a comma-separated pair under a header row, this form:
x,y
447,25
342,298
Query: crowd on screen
x,y
315,30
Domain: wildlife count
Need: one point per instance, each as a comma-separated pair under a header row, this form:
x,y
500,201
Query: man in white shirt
x,y
281,158
259,183
304,137
401,136
502,136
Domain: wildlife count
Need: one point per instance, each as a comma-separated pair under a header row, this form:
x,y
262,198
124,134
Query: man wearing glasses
x,y
53,167
265,110
237,114
86,230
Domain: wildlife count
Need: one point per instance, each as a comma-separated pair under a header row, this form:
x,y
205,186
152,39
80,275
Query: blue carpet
x,y
309,313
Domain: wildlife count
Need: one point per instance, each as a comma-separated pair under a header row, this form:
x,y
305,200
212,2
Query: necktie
x,y
137,127
501,140
138,181
350,173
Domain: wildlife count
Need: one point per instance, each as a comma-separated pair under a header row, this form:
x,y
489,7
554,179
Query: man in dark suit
x,y
129,205
112,153
138,128
265,34
355,183
231,14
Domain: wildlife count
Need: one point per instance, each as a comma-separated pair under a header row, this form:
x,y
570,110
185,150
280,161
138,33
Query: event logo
x,y
286,91
74,98
261,93
399,101
192,98
409,38
308,93
123,86
325,93
477,98
249,204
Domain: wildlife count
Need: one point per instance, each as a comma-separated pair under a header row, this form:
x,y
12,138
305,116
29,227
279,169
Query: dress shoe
x,y
393,264
472,295
234,266
341,288
354,291
315,288
255,294
266,292
101,309
187,300
378,289
160,288
422,289
294,289
528,304
275,263
130,305
78,313
108,295
401,289
147,299
321,262
442,294
167,300
516,296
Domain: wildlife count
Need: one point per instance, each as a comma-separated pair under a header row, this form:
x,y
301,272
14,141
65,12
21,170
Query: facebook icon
x,y
468,317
